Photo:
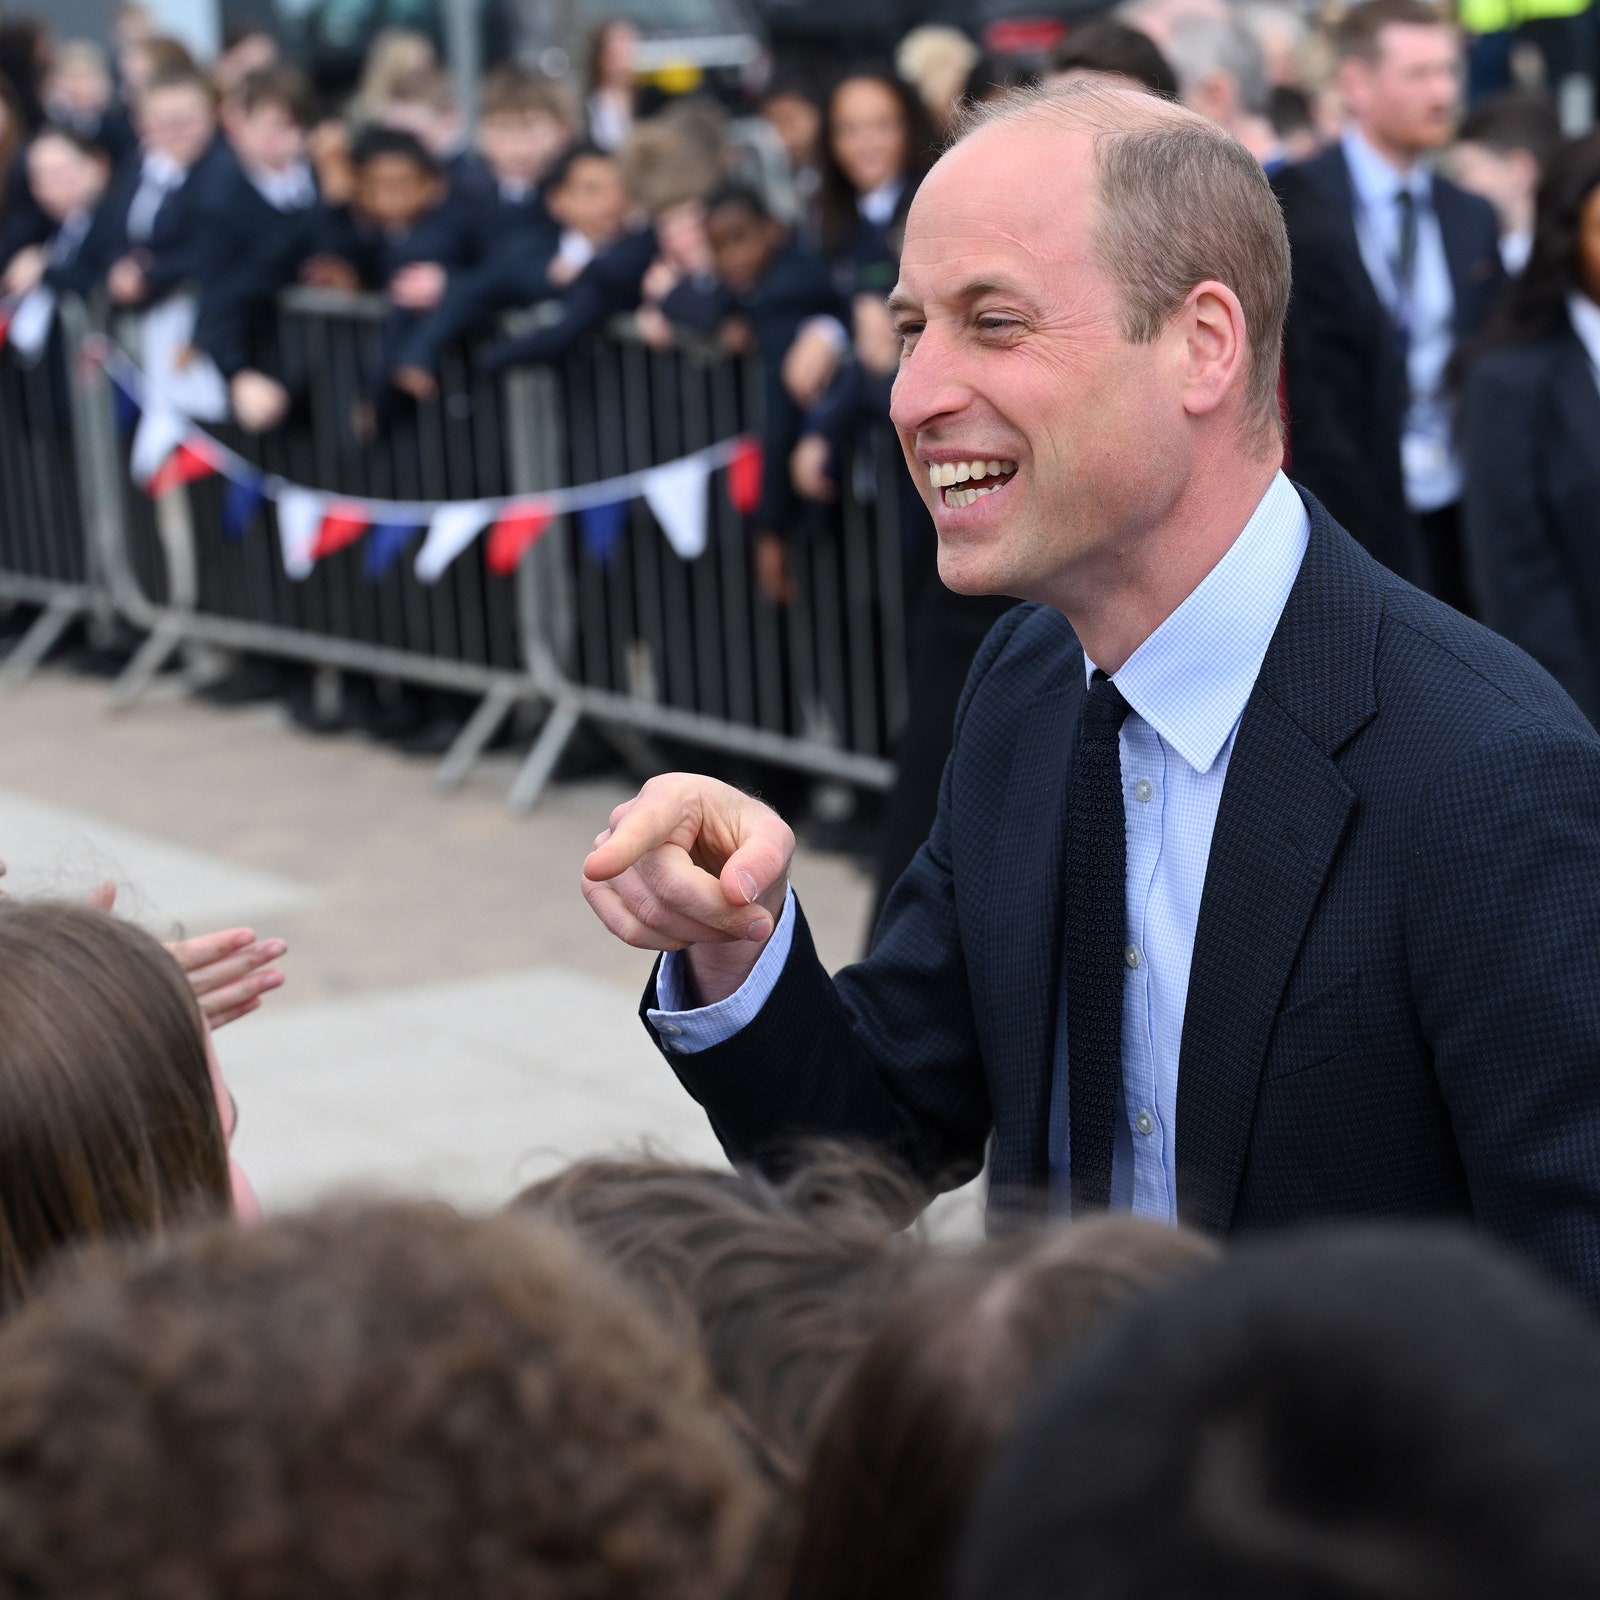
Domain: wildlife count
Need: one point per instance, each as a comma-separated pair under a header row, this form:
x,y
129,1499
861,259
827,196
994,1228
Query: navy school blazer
x,y
1394,1004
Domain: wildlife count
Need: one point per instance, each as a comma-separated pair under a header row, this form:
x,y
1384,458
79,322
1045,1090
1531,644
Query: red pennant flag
x,y
744,477
340,526
514,533
186,464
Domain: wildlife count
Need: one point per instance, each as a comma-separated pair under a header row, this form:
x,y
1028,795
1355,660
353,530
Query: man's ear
x,y
1216,347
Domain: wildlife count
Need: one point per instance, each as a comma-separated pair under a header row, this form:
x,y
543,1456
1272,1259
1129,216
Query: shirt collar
x,y
1584,315
1190,679
1376,182
877,205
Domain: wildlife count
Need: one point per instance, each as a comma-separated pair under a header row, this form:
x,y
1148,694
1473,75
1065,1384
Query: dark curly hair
x,y
384,1402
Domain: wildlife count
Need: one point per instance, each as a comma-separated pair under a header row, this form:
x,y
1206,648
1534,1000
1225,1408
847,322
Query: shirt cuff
x,y
685,1033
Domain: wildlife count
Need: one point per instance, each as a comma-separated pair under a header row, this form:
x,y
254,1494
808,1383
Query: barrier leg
x,y
541,761
469,744
40,639
148,660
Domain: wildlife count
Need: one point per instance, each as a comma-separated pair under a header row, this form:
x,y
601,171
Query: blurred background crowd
x,y
739,171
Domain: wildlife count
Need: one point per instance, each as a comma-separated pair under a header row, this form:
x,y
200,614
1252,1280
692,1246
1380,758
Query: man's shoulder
x,y
1031,648
1473,683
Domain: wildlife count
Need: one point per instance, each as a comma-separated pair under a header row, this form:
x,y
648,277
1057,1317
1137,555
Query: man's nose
x,y
928,385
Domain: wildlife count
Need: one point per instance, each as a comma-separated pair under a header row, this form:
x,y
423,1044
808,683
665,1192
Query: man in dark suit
x,y
1393,267
1263,888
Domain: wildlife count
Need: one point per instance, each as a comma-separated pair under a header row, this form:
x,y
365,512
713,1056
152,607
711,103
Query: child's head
x,y
744,236
525,123
424,103
796,118
267,118
177,115
78,83
66,172
397,179
585,192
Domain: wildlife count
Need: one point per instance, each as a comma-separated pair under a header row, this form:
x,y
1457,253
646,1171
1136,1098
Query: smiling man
x,y
1263,887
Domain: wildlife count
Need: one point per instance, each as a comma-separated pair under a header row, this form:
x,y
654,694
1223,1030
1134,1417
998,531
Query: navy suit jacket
x,y
1344,367
1531,439
1394,1004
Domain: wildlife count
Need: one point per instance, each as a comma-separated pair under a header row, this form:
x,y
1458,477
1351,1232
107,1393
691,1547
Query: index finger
x,y
667,816
205,948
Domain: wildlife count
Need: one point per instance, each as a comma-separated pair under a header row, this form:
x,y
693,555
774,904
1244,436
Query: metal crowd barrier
x,y
693,650
642,643
45,560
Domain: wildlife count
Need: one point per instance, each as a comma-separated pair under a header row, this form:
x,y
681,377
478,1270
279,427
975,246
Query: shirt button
x,y
670,1028
677,1047
1131,956
1143,789
1144,1122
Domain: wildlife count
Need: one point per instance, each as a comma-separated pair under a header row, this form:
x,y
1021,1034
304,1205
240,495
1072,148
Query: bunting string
x,y
170,449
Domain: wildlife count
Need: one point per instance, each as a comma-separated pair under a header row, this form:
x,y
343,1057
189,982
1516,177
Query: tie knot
x,y
1104,709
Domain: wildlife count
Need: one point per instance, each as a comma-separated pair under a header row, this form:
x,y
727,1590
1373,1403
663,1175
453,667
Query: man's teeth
x,y
945,474
965,497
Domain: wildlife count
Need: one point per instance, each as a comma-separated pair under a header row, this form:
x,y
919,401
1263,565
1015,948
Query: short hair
x,y
902,1452
65,133
1513,119
1199,46
424,86
1359,34
561,167
374,1402
740,196
1180,201
279,85
1289,111
1359,1416
374,142
109,1126
180,75
663,165
1105,45
78,52
513,91
779,1283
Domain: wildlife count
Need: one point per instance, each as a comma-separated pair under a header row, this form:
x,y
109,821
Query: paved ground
x,y
455,1019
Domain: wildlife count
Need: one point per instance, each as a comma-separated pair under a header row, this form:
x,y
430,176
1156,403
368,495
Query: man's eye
x,y
996,324
907,331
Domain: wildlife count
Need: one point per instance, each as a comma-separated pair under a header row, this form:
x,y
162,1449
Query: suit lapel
x,y
1470,275
1284,811
1333,173
1023,929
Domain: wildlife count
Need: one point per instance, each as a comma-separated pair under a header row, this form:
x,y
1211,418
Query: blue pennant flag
x,y
601,528
125,408
384,545
240,505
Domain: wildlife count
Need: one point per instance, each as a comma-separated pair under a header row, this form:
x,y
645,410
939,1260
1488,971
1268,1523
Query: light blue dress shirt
x,y
1427,444
1187,685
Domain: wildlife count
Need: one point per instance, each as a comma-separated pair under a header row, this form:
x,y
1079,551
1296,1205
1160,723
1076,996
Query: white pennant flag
x,y
161,430
453,528
31,322
676,493
300,514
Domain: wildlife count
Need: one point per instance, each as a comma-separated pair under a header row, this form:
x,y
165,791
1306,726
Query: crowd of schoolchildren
x,y
644,1379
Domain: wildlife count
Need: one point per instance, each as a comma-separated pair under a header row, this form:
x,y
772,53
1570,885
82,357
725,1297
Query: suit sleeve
x,y
1518,578
885,1053
1503,943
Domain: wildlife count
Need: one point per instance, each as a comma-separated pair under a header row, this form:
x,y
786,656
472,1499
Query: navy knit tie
x,y
1096,921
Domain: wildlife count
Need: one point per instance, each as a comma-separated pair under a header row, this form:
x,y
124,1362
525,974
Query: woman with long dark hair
x,y
879,145
1531,440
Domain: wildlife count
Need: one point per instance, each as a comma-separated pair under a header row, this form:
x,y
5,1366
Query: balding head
x,y
1180,202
